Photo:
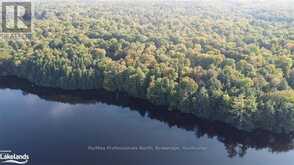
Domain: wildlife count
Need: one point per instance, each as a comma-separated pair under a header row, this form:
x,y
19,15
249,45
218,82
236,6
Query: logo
x,y
8,157
16,19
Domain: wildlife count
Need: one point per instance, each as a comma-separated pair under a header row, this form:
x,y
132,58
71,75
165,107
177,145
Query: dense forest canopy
x,y
226,60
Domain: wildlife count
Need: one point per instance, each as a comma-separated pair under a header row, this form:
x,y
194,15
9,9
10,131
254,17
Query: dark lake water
x,y
58,127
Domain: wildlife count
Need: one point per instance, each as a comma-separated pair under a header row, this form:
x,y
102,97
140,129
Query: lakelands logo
x,y
8,157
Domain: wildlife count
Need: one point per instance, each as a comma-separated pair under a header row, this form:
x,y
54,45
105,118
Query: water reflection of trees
x,y
236,142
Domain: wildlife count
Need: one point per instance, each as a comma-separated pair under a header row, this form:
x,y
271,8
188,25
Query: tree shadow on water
x,y
235,141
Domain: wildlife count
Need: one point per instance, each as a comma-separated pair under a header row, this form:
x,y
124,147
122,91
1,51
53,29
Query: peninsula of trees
x,y
219,60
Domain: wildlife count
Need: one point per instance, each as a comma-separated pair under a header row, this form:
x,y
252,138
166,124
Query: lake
x,y
56,127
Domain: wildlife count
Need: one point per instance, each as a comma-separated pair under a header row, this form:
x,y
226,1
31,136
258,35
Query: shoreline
x,y
210,118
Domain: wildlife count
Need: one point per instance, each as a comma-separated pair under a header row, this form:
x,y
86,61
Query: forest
x,y
219,60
